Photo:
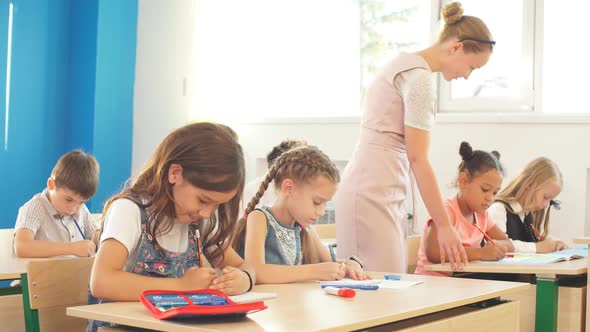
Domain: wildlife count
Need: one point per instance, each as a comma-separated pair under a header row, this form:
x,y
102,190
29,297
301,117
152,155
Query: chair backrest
x,y
59,282
55,284
413,245
326,231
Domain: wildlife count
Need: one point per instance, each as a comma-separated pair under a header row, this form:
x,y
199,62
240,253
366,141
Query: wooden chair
x,y
413,245
53,285
326,231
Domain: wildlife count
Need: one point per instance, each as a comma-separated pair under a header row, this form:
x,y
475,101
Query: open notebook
x,y
552,257
382,283
252,297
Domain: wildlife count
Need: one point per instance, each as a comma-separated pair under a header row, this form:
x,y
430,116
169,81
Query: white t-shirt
x,y
123,223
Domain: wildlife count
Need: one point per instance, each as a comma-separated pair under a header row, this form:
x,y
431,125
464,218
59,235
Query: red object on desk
x,y
165,304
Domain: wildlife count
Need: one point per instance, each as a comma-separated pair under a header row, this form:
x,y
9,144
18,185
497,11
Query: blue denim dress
x,y
151,262
282,245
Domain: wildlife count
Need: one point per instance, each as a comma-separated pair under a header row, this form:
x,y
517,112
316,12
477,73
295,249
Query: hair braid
x,y
300,164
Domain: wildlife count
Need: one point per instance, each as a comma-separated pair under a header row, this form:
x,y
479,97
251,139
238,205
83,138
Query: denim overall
x,y
149,262
282,245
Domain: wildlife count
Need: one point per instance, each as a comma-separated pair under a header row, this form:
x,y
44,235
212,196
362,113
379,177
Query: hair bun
x,y
496,154
452,12
466,151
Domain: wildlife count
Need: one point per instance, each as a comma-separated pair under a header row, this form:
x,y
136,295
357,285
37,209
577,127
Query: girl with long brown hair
x,y
189,190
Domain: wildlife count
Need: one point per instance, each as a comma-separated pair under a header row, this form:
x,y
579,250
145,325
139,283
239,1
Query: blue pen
x,y
332,253
78,227
392,277
361,287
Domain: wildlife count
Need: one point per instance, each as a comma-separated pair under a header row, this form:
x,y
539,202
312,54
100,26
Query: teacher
x,y
399,113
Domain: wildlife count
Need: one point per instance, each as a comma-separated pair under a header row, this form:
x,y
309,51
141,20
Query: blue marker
x,y
392,277
361,287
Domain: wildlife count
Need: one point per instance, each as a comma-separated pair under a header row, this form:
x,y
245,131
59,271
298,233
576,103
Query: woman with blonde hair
x,y
522,209
395,136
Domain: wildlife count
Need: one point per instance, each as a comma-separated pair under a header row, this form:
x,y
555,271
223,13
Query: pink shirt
x,y
470,236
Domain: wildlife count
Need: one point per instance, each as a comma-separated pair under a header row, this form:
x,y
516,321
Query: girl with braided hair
x,y
279,240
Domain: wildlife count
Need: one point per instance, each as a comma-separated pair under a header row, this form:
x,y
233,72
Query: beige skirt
x,y
371,210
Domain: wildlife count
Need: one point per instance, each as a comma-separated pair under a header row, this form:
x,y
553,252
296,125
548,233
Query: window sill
x,y
442,117
513,118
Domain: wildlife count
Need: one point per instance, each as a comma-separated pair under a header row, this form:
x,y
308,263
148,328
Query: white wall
x,y
164,62
164,58
517,143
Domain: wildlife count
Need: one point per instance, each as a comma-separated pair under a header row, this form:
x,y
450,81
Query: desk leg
x,y
31,316
546,307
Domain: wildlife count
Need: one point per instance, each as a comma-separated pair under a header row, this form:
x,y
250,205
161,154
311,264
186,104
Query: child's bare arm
x,y
500,238
238,275
433,251
109,281
26,246
254,253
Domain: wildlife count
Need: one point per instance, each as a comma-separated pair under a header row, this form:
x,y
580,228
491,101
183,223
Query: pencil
x,y
78,227
199,248
537,234
487,237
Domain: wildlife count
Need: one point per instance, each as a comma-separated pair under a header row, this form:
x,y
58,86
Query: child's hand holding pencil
x,y
493,252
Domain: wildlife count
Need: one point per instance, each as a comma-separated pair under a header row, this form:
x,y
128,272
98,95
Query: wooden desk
x,y
547,283
305,307
586,240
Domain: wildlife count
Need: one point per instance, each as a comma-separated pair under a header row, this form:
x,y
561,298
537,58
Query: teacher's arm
x,y
417,145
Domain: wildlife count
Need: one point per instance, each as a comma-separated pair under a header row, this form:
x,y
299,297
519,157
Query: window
x,y
565,53
266,59
506,82
306,58
388,28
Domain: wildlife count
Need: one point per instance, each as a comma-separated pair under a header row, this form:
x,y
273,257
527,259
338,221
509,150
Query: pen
x,y
342,292
199,247
332,253
488,238
361,287
78,227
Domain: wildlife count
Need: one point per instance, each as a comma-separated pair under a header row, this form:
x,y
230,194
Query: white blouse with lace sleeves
x,y
416,89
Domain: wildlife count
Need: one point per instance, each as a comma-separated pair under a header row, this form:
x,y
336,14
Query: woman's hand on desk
x,y
451,248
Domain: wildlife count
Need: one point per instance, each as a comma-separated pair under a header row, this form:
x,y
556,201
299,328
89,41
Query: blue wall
x,y
71,86
113,102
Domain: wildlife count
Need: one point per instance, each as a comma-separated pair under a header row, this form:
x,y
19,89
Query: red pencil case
x,y
166,304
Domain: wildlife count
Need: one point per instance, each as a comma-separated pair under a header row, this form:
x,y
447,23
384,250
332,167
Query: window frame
x,y
527,102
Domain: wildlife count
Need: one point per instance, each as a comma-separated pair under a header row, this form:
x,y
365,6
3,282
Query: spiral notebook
x,y
252,297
